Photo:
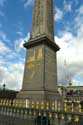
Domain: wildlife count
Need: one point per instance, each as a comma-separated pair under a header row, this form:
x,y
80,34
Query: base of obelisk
x,y
39,95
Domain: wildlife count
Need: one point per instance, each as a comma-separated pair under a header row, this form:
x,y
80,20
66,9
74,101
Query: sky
x,y
15,26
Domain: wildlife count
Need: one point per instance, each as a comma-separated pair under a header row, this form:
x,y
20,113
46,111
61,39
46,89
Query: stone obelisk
x,y
40,73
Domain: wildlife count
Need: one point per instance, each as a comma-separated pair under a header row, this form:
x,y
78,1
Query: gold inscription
x,y
31,59
35,57
30,66
32,75
39,56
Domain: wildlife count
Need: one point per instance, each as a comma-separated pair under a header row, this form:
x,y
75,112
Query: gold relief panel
x,y
37,55
40,54
31,58
31,66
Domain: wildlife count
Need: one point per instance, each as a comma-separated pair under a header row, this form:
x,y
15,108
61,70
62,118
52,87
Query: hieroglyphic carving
x,y
31,59
39,55
43,19
35,57
33,62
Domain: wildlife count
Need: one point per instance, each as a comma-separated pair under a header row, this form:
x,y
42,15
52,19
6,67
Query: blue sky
x,y
15,25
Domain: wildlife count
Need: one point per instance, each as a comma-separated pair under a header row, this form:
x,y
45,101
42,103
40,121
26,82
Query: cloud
x,y
12,76
58,14
78,20
71,51
28,3
19,43
81,9
20,33
11,71
3,36
3,48
67,6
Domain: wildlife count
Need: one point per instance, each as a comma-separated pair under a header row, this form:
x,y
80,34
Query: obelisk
x,y
40,73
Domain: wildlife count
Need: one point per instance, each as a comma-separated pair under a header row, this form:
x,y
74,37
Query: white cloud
x,y
28,2
67,6
12,76
81,9
20,33
3,36
3,48
19,43
11,71
58,14
71,51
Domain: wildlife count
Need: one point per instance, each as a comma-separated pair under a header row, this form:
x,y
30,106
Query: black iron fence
x,y
43,113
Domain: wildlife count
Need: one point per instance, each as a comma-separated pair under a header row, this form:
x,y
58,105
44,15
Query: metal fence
x,y
18,113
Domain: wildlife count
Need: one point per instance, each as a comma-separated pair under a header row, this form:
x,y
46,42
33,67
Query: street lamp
x,y
4,86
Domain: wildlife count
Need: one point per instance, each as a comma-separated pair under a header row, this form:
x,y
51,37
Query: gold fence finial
x,y
37,105
76,119
42,105
62,116
72,107
59,106
79,108
20,103
24,103
69,118
10,101
33,105
65,106
47,106
53,106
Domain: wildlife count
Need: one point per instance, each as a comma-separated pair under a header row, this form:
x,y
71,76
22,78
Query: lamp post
x,y
4,93
4,86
